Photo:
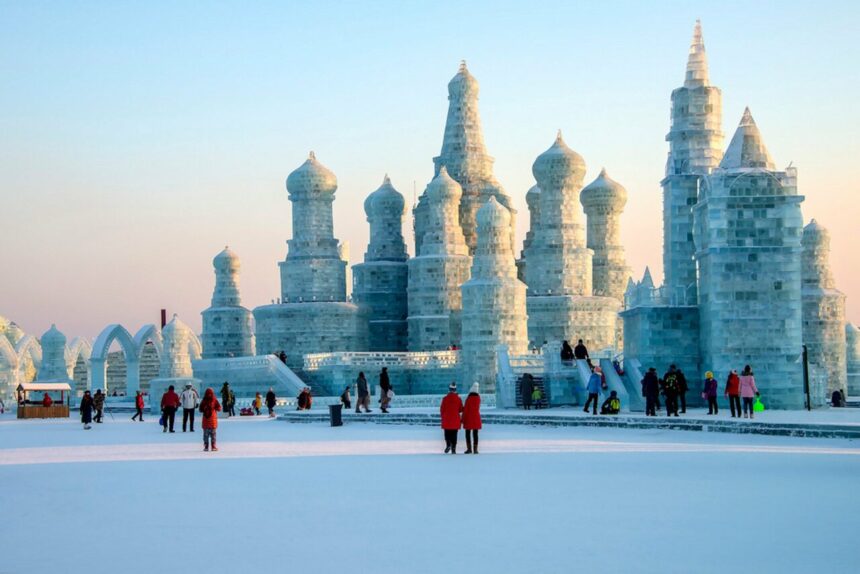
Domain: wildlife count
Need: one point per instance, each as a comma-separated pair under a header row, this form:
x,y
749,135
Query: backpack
x,y
615,404
758,406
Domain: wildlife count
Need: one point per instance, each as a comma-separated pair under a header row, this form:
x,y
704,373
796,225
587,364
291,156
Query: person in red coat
x,y
47,401
169,405
209,406
450,409
733,391
138,407
472,419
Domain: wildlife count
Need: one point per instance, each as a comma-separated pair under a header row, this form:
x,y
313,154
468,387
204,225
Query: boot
x,y
447,448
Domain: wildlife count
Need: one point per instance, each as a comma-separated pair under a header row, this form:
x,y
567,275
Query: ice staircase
x,y
539,383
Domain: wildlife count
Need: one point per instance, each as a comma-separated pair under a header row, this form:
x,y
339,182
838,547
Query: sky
x,y
137,139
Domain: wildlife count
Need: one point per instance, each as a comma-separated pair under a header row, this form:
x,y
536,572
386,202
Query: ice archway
x,y
131,347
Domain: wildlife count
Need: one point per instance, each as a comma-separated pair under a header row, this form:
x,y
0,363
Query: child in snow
x,y
345,399
536,397
612,405
258,403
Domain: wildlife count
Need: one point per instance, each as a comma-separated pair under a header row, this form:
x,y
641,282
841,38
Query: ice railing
x,y
644,296
315,361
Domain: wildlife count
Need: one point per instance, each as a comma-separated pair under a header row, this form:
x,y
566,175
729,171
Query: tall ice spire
x,y
697,62
465,155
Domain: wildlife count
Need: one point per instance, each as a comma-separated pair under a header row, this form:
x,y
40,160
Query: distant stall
x,y
32,403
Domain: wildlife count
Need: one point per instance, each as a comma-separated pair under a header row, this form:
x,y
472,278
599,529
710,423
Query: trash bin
x,y
335,412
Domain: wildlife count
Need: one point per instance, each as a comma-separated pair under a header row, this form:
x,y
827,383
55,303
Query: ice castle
x,y
744,281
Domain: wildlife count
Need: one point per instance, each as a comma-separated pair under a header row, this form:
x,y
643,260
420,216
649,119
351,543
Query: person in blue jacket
x,y
593,388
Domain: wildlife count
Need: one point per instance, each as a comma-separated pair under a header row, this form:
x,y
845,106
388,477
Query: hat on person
x,y
187,385
613,394
709,375
452,388
475,388
597,370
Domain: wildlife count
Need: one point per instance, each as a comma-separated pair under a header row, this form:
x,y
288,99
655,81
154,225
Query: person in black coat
x,y
580,352
651,390
86,409
385,386
682,390
566,352
271,400
526,388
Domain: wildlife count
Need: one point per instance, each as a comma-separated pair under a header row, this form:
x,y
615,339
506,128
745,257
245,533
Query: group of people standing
x,y
673,387
456,414
362,389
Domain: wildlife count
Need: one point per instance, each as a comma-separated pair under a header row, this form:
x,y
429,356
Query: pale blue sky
x,y
139,138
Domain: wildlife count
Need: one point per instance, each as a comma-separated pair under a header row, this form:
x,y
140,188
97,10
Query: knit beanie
x,y
475,388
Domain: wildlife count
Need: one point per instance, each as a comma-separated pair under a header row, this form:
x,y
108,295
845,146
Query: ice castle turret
x,y
604,200
852,345
695,148
380,283
175,369
226,323
823,309
54,367
558,263
465,157
438,271
313,315
533,202
494,300
748,248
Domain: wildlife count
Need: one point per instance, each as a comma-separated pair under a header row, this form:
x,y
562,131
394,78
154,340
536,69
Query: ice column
x,y
823,309
494,300
226,323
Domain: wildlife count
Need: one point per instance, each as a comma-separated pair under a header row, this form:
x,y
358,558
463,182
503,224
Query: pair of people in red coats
x,y
455,414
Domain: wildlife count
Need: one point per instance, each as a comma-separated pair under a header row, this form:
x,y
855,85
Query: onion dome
x,y
385,201
227,259
311,177
462,82
443,188
603,191
747,149
559,161
53,337
533,196
175,328
815,233
14,333
493,215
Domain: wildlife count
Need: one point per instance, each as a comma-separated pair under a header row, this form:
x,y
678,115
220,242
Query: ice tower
x,y
380,282
494,300
695,148
226,323
604,200
313,315
438,271
823,309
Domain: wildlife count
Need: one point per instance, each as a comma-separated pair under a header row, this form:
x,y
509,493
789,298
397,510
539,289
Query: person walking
x,y
384,387
682,391
169,405
345,399
451,409
138,407
271,400
748,391
651,390
537,397
209,406
189,399
472,418
86,408
527,385
595,381
99,405
670,391
733,391
709,393
225,397
363,394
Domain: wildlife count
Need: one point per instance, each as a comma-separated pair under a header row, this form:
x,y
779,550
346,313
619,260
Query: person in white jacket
x,y
189,399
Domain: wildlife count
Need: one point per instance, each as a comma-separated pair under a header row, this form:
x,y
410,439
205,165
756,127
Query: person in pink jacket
x,y
748,390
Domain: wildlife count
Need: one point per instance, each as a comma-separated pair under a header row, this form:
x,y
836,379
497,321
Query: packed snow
x,y
125,497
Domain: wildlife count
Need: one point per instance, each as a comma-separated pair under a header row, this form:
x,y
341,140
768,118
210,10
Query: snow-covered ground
x,y
124,497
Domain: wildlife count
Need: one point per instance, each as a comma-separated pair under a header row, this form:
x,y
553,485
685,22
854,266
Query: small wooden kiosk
x,y
35,409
